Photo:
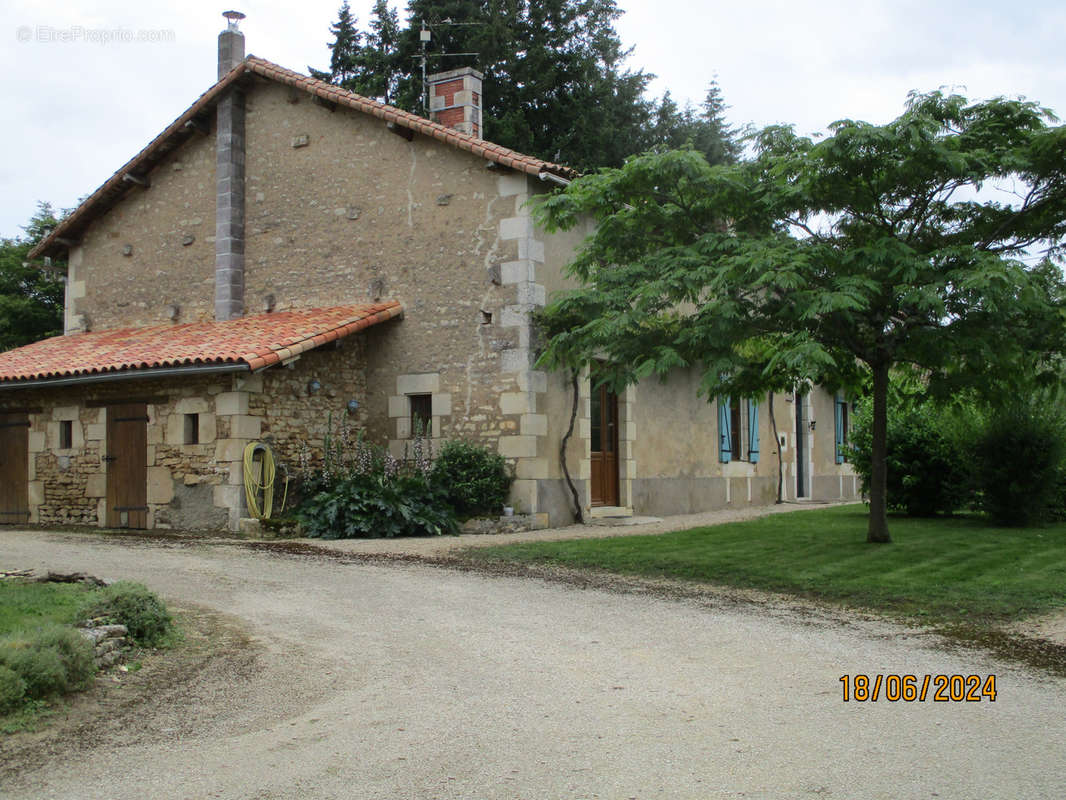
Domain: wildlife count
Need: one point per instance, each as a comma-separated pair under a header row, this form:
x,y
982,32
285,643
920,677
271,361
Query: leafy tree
x,y
832,260
31,298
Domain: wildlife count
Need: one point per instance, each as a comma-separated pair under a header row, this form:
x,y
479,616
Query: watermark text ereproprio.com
x,y
76,34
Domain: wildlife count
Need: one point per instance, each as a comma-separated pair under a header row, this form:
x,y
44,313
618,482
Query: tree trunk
x,y
777,449
878,530
579,517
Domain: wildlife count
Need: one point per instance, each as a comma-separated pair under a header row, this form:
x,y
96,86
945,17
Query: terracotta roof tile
x,y
175,133
258,341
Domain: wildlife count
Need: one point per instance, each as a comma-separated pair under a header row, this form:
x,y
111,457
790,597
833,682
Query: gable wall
x,y
358,204
114,290
359,212
355,212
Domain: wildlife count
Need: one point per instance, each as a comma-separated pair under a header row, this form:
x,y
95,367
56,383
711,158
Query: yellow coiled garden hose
x,y
265,481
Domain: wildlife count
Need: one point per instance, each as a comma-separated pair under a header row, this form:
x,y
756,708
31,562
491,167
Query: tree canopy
x,y
556,82
31,299
909,244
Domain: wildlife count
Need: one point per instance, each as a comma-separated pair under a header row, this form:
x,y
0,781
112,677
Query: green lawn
x,y
952,570
25,605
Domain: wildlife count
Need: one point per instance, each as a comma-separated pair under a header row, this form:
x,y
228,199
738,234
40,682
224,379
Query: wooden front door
x,y
127,466
604,417
14,468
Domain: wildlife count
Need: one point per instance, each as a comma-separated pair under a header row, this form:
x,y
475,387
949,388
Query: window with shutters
x,y
738,423
841,424
736,427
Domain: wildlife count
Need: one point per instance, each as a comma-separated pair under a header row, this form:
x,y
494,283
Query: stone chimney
x,y
229,175
230,44
455,99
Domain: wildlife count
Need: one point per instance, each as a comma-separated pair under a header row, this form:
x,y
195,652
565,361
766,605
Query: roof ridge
x,y
174,134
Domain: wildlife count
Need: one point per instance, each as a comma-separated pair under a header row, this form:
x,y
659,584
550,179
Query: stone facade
x,y
338,209
169,230
295,420
189,486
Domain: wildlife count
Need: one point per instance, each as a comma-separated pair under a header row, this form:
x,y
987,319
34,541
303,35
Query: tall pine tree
x,y
345,67
380,62
706,130
556,82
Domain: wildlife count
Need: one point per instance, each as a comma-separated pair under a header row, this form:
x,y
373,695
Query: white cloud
x,y
78,110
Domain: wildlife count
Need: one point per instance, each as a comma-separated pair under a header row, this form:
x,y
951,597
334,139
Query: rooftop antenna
x,y
232,18
425,35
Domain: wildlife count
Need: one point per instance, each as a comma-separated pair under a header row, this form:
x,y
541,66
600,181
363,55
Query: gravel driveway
x,y
405,681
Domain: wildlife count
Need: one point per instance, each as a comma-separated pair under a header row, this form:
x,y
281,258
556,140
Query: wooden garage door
x,y
14,468
127,466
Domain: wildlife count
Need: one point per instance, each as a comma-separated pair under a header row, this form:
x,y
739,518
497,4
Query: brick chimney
x,y
229,178
455,99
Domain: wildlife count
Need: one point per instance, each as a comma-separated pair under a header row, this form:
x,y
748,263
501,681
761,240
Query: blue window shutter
x,y
838,419
725,454
753,431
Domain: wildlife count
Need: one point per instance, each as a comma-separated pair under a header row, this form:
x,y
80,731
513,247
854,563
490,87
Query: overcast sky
x,y
83,93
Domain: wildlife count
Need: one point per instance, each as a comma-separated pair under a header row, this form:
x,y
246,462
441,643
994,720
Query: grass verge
x,y
27,604
945,571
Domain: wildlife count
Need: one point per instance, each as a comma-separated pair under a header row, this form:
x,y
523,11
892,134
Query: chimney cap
x,y
232,18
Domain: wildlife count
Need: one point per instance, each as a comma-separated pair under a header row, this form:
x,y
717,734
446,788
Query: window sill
x,y
738,469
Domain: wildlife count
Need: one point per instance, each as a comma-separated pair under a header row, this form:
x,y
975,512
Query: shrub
x,y
369,505
928,464
362,491
12,689
40,668
131,604
475,480
75,652
1057,511
47,662
1018,457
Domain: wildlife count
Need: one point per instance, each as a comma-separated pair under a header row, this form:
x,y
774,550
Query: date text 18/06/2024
x,y
912,688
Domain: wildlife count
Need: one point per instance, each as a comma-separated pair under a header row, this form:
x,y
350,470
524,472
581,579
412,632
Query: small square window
x,y
421,414
66,434
192,429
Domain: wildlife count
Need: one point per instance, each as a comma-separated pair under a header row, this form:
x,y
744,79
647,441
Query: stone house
x,y
286,256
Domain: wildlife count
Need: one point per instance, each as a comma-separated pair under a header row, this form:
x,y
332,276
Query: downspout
x,y
549,177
